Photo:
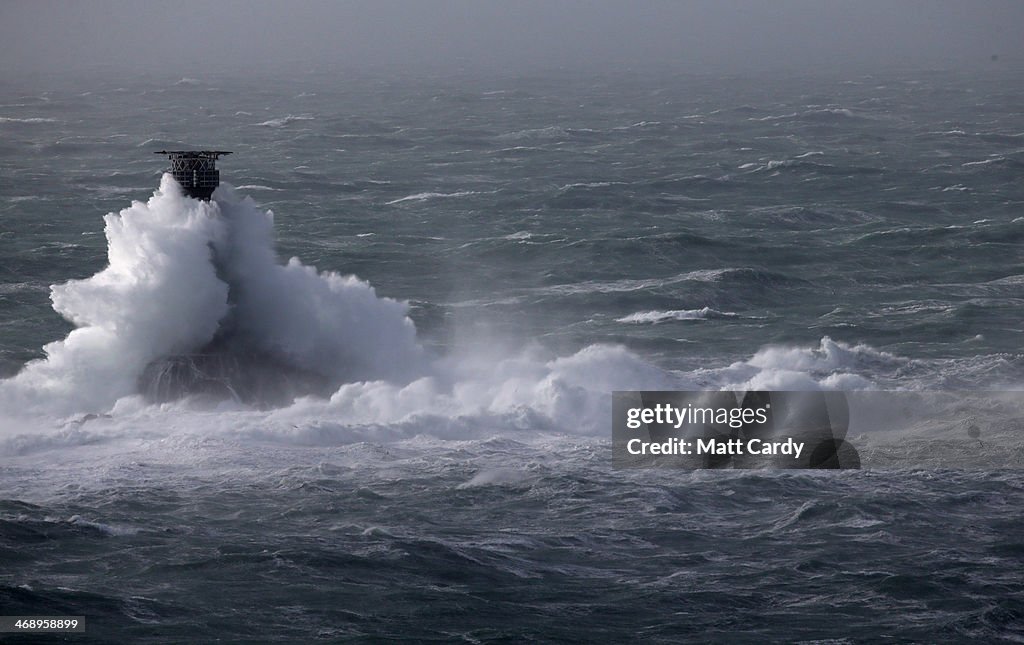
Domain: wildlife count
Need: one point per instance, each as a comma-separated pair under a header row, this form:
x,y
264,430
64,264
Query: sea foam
x,y
186,278
180,273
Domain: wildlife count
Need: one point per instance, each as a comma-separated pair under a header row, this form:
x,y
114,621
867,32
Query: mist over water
x,y
383,409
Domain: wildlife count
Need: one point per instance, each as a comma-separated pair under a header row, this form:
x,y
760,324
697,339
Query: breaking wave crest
x,y
187,277
36,119
704,313
195,315
420,197
284,120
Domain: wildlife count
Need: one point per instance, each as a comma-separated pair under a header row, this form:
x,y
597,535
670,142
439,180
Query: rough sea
x,y
383,412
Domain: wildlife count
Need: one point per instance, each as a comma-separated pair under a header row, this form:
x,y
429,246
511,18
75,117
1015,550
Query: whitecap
x,y
34,119
419,197
705,313
285,120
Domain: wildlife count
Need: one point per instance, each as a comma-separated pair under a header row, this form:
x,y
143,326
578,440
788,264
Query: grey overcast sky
x,y
733,36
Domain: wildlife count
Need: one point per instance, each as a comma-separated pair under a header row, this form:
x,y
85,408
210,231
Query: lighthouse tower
x,y
195,170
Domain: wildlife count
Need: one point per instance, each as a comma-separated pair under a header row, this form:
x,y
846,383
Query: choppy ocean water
x,y
554,237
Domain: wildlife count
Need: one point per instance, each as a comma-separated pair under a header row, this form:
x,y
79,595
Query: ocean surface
x,y
383,411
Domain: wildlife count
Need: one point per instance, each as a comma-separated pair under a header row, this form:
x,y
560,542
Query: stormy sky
x,y
729,36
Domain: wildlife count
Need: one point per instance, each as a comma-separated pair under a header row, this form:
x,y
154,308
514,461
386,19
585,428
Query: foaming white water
x,y
656,316
480,395
331,324
831,365
529,396
285,120
35,119
183,274
180,271
419,197
158,296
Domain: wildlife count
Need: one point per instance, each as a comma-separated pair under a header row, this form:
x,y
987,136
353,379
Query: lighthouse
x,y
195,170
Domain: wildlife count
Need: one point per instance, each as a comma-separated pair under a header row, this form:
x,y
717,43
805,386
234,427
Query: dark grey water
x,y
556,238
